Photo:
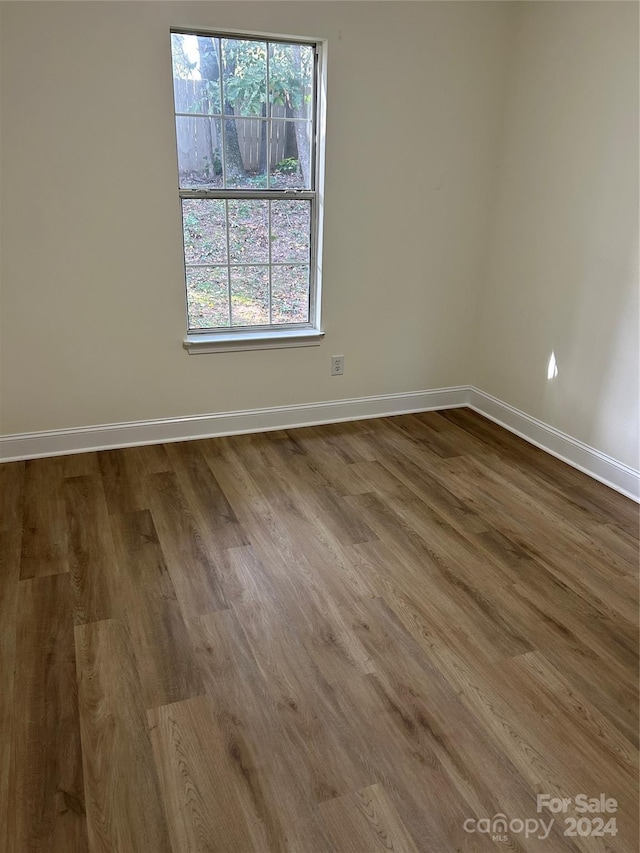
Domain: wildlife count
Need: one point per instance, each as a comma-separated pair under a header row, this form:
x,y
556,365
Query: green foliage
x,y
287,166
213,165
244,65
244,75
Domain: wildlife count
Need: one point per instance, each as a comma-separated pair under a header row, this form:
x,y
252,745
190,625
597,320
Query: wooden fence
x,y
198,137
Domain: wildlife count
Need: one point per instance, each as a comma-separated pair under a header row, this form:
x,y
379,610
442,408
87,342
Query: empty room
x,y
319,426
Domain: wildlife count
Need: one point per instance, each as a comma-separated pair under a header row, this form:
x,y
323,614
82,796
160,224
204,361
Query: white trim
x,y
107,436
61,442
238,341
593,462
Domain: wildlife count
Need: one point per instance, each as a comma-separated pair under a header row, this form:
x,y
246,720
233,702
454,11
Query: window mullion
x,y
226,217
223,158
267,128
240,194
270,277
267,125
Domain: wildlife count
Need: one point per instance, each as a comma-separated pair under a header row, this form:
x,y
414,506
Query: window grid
x,y
226,231
307,195
269,264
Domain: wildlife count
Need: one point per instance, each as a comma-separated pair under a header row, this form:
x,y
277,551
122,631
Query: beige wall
x,y
92,292
563,267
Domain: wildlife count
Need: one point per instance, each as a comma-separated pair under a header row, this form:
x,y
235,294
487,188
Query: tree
x,y
243,67
290,75
210,71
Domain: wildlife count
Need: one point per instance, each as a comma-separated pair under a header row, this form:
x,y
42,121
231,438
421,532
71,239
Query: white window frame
x,y
275,336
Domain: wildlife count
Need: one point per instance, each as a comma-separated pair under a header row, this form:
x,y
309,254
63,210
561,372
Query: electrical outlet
x,y
337,365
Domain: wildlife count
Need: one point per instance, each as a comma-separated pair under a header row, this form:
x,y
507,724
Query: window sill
x,y
223,342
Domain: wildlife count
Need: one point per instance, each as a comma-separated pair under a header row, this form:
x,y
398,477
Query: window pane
x,y
291,154
291,79
196,73
250,296
245,153
205,233
249,231
290,294
290,231
199,152
244,77
207,297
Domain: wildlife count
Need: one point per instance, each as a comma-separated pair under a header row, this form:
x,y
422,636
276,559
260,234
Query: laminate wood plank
x,y
9,575
276,512
332,563
568,520
453,593
79,465
585,765
347,729
278,509
615,639
193,560
337,653
546,540
345,441
510,446
335,513
275,786
274,449
246,579
251,447
522,717
200,774
322,467
408,468
207,500
540,465
431,492
12,477
366,820
94,571
598,678
546,580
160,640
422,433
604,651
614,697
620,543
437,723
124,474
46,810
555,503
580,720
44,524
314,727
282,537
608,503
431,713
122,794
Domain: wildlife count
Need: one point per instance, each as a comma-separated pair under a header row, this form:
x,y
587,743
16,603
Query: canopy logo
x,y
500,826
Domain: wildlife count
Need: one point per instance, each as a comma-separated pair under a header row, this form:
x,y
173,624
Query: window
x,y
246,113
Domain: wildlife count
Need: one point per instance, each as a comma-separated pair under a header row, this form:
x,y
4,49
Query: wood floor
x,y
349,638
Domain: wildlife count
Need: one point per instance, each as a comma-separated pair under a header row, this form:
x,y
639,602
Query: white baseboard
x,y
598,465
60,442
109,436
